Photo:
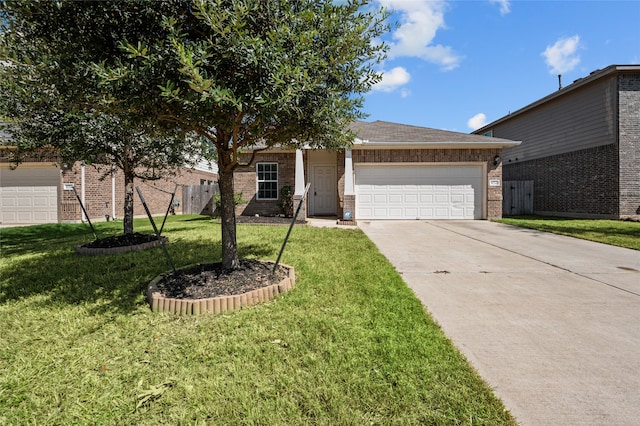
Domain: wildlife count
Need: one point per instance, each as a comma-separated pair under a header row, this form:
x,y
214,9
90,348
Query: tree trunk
x,y
228,214
127,217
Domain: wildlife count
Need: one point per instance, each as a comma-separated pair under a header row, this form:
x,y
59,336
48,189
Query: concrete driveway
x,y
552,323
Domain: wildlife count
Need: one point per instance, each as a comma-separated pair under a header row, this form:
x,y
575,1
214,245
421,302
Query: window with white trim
x,y
267,174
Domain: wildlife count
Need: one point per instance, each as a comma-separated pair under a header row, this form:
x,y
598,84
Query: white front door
x,y
323,190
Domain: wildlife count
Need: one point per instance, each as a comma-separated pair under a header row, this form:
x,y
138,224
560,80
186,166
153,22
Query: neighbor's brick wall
x,y
629,139
583,183
98,198
494,193
245,181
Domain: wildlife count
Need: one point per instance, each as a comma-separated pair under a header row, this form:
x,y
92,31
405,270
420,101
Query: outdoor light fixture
x,y
496,160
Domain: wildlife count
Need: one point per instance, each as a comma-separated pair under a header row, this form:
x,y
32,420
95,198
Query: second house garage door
x,y
418,192
28,194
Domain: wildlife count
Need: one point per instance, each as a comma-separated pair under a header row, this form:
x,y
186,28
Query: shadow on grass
x,y
112,283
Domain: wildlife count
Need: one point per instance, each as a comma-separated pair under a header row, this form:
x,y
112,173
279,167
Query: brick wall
x,y
98,192
494,193
629,139
245,181
580,183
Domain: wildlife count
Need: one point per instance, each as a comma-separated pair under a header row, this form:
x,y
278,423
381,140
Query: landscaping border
x,y
96,251
219,304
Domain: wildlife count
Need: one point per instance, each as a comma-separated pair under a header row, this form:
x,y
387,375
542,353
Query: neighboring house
x,y
40,191
580,146
392,171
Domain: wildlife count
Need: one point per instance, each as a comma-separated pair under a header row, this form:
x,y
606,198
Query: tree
x,y
238,73
56,108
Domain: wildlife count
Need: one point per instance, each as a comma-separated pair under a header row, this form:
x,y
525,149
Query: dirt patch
x,y
212,280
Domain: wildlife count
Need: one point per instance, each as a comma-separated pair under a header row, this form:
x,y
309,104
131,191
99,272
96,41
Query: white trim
x,y
433,145
82,195
348,173
299,173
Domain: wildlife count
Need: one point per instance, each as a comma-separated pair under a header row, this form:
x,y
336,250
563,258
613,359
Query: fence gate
x,y
517,197
199,199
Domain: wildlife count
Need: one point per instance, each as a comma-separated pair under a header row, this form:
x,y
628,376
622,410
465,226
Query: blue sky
x,y
456,65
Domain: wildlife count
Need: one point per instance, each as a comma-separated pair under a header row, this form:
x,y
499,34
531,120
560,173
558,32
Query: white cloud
x,y
505,6
562,56
477,121
419,22
393,79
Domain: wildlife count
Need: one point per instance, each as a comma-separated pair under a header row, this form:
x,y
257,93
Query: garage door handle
x,y
314,193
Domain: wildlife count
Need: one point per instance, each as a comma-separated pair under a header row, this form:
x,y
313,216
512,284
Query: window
x,y
267,181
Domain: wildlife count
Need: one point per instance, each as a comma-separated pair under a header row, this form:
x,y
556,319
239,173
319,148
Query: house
x,y
392,171
580,146
42,191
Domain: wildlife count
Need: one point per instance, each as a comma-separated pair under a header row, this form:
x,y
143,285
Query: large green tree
x,y
238,73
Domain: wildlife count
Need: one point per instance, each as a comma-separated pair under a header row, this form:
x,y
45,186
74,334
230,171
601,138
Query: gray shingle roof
x,y
386,133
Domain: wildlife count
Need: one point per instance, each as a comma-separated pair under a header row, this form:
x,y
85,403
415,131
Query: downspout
x,y
84,218
113,194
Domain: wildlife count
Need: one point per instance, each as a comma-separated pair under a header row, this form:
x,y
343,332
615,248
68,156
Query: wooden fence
x,y
199,199
517,197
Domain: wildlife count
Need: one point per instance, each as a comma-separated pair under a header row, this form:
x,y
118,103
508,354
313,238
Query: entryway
x,y
324,186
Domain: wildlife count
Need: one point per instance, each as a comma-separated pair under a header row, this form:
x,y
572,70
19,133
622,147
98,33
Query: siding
x,y
583,119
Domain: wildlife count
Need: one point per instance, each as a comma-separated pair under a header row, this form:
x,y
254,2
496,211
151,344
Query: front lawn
x,y
350,345
614,232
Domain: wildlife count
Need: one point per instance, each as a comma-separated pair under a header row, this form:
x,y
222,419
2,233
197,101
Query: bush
x,y
286,200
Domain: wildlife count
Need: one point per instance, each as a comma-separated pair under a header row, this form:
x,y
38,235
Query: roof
x,y
392,135
581,82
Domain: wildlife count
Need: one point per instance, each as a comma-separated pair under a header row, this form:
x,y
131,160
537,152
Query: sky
x,y
458,65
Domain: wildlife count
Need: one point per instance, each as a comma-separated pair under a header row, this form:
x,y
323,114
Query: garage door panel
x,y
395,198
418,192
29,195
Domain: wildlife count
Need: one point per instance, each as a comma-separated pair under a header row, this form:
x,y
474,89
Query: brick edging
x,y
219,304
90,251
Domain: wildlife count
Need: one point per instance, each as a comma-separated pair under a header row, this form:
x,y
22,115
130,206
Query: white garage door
x,y
418,192
28,194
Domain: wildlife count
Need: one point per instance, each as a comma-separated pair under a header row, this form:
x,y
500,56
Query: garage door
x,y
418,192
28,194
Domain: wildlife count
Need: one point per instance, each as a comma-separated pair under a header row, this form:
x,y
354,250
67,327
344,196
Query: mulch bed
x,y
212,280
124,240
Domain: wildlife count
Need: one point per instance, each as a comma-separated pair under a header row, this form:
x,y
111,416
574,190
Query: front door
x,y
324,190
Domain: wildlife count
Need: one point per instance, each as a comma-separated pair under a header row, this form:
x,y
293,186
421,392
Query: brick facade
x,y
98,192
629,139
245,182
582,183
580,146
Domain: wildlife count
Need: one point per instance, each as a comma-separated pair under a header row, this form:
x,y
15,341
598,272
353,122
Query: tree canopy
x,y
239,73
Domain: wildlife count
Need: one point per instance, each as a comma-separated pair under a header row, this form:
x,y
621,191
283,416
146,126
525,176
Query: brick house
x,y
580,146
392,171
40,191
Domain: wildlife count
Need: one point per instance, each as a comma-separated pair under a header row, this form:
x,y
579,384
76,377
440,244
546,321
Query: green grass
x,y
613,232
349,345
